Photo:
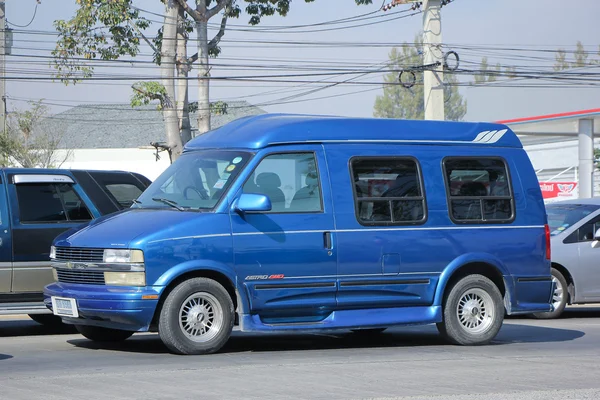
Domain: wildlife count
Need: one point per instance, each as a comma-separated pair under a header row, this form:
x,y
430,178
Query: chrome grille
x,y
79,254
84,277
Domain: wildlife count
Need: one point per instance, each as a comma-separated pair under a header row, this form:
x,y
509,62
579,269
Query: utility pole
x,y
433,76
2,66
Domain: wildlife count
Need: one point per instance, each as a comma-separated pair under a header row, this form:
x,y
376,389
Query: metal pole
x,y
433,77
2,69
586,158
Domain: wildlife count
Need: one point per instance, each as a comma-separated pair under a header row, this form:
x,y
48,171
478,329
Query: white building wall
x,y
142,161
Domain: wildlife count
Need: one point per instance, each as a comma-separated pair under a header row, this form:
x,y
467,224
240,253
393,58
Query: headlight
x,y
125,278
123,256
52,252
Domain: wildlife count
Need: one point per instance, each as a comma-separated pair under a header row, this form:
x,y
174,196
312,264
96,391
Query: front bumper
x,y
108,306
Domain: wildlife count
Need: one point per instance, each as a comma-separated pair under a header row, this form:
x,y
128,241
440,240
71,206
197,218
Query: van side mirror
x,y
248,202
596,241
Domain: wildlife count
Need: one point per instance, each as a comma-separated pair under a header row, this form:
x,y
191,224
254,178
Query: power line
x,y
32,18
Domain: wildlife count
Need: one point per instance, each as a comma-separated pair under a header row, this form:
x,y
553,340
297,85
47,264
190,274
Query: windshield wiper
x,y
169,203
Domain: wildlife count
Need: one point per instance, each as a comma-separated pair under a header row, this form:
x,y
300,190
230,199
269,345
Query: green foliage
x,y
105,29
216,108
26,143
581,58
146,92
399,102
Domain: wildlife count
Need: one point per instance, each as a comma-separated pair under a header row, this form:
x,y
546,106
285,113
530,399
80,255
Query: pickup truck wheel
x,y
99,334
559,297
473,311
49,320
196,318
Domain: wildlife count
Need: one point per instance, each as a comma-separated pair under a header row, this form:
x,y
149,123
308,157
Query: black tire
x,y
482,292
212,296
49,320
99,334
556,274
368,332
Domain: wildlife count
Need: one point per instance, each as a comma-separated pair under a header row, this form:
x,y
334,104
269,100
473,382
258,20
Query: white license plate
x,y
64,307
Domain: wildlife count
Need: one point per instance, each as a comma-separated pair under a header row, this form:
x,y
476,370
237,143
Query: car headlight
x,y
123,256
125,278
52,252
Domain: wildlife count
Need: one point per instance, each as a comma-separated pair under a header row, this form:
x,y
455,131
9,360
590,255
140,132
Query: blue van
x,y
297,223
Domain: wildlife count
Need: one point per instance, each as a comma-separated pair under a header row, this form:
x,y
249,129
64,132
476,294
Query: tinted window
x,y
387,191
49,202
75,208
291,181
563,216
479,190
124,193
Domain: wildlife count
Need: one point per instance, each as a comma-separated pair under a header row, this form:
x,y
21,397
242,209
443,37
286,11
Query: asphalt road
x,y
530,359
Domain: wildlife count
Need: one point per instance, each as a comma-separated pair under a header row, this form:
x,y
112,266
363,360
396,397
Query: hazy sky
x,y
481,25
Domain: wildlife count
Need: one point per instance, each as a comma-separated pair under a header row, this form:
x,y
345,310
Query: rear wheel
x,y
473,311
99,334
559,297
197,317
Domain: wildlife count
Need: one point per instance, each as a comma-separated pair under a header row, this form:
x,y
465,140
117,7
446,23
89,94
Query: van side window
x,y
479,190
387,191
291,181
49,202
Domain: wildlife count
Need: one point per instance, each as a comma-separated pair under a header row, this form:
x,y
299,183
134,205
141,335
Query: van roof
x,y
256,132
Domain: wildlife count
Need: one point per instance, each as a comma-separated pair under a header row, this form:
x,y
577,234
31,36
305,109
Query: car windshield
x,y
563,216
196,181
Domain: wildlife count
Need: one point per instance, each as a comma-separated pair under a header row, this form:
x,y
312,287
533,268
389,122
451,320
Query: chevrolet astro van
x,y
302,223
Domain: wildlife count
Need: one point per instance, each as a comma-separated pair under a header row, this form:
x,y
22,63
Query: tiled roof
x,y
96,126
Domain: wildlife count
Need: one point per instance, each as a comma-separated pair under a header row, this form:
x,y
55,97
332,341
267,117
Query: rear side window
x,y
479,190
387,191
50,202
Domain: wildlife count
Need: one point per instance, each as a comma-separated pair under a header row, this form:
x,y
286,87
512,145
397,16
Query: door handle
x,y
327,240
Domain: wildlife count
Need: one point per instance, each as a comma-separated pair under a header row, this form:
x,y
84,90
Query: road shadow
x,y
395,337
28,327
572,312
5,357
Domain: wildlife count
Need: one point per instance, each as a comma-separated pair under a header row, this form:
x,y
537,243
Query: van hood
x,y
132,227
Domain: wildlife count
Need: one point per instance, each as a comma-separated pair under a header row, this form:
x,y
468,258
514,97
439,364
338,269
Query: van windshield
x,y
196,181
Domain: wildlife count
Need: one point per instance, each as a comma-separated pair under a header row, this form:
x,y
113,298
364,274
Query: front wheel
x,y
99,334
559,297
473,311
197,317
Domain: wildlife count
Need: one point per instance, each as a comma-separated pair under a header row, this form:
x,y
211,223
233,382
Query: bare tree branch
x,y
216,9
152,46
215,41
192,13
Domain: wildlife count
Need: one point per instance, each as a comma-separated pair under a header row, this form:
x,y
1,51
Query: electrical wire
x,y
30,22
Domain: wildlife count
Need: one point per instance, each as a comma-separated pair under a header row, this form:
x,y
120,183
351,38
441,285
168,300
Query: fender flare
x,y
205,265
463,260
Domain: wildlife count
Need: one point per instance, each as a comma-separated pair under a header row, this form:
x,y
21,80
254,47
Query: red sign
x,y
556,190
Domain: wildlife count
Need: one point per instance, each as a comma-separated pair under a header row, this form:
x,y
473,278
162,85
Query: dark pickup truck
x,y
36,205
